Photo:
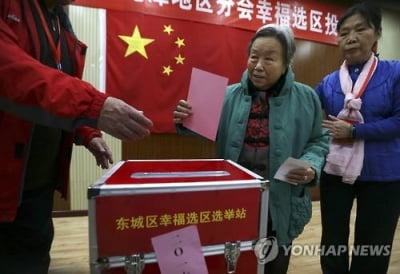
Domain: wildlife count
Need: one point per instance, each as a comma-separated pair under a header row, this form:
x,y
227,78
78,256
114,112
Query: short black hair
x,y
367,10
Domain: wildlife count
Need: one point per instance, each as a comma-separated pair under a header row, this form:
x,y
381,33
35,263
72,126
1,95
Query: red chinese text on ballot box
x,y
141,199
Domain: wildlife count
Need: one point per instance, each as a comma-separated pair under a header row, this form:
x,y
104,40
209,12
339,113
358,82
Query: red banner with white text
x,y
310,19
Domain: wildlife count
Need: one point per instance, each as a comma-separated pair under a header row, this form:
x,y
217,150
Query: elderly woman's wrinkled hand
x,y
301,176
182,111
338,129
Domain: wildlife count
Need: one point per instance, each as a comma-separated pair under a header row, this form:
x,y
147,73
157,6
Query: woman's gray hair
x,y
284,35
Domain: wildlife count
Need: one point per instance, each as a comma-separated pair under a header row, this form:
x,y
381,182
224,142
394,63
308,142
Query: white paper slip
x,y
289,164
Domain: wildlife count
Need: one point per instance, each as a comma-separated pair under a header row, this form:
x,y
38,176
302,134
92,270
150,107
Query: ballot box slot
x,y
180,174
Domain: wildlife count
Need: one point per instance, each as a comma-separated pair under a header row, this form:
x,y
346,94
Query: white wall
x,y
389,44
89,26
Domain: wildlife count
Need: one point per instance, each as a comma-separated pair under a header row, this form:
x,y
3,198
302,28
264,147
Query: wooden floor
x,y
70,247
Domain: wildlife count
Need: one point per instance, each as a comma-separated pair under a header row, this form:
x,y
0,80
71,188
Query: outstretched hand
x,y
123,121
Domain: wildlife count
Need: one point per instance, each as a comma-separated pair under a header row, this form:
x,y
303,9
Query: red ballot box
x,y
140,199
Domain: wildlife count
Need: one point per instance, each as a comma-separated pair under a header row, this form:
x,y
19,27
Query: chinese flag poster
x,y
150,59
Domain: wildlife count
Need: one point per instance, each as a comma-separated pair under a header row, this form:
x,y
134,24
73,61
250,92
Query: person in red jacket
x,y
44,108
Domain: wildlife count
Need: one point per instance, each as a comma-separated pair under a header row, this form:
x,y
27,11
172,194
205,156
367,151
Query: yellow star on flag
x,y
179,59
168,29
167,70
136,43
180,42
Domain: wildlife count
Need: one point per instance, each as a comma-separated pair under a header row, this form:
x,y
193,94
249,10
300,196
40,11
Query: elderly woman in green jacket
x,y
266,118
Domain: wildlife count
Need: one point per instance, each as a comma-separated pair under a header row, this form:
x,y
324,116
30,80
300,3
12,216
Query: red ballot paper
x,y
179,251
206,95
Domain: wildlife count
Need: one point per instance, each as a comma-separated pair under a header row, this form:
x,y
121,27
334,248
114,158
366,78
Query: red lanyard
x,y
55,49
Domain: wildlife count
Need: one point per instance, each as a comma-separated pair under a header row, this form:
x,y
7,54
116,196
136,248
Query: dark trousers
x,y
280,264
378,209
25,243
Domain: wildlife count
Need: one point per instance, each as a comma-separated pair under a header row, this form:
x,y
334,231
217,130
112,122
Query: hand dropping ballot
x,y
180,252
289,164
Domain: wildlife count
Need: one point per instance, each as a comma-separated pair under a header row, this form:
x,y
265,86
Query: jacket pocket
x,y
300,214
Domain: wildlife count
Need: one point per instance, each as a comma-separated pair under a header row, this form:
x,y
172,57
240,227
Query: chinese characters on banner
x,y
310,19
152,45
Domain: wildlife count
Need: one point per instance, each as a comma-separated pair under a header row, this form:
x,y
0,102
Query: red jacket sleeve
x,y
33,91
